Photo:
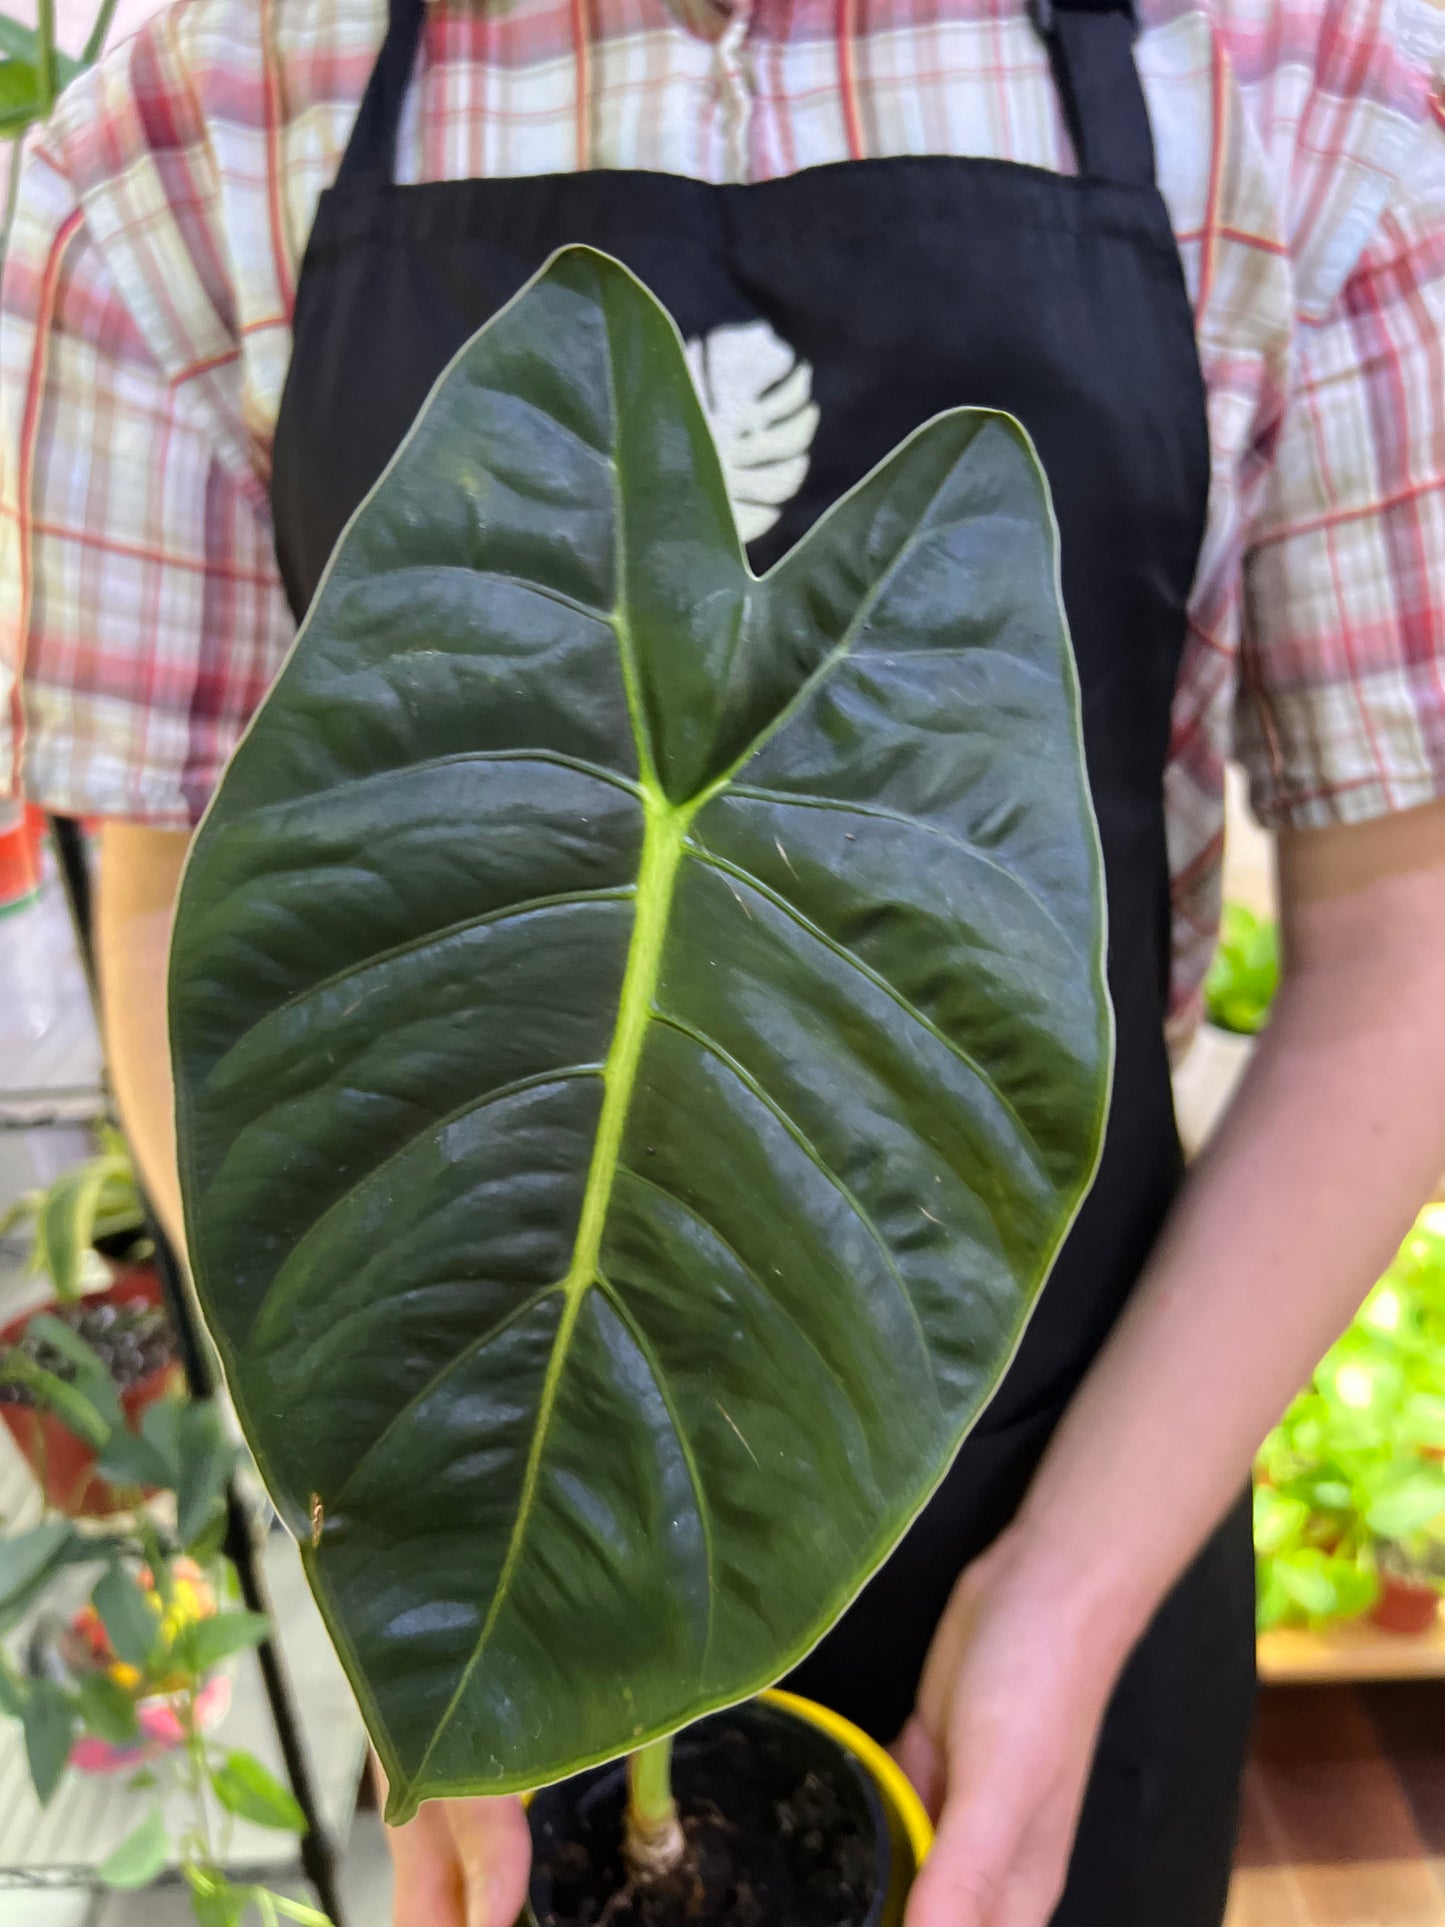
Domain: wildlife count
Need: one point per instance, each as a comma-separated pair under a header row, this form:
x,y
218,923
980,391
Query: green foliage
x,y
49,1721
1244,974
85,1369
49,1392
98,1198
183,1448
214,1901
245,1788
207,1642
19,96
106,1708
186,1450
662,1067
1353,1477
30,1561
131,1623
140,1856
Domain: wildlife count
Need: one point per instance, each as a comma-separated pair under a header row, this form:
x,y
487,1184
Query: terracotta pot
x,y
1405,1605
60,1461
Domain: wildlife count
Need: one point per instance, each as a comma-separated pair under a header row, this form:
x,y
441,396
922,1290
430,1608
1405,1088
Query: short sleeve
x,y
141,613
1341,711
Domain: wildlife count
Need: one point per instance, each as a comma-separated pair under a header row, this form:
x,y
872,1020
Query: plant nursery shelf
x,y
1357,1651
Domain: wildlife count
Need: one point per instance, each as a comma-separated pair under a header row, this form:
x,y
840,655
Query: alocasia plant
x,y
640,1039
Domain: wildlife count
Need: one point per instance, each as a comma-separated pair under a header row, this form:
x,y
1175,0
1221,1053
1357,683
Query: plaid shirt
x,y
164,212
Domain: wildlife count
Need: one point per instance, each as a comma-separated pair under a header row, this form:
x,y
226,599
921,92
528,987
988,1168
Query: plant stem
x,y
655,1842
12,195
96,42
200,1773
45,66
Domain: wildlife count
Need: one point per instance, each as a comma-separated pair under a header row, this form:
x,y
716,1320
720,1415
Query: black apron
x,y
907,286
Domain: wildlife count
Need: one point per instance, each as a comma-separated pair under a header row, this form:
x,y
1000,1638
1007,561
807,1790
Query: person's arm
x,y
140,872
1336,1138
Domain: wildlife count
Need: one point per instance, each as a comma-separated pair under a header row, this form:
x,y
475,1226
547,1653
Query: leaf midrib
x,y
666,827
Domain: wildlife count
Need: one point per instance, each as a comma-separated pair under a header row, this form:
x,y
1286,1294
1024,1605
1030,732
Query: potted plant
x,y
89,1238
119,1643
640,1038
1350,1498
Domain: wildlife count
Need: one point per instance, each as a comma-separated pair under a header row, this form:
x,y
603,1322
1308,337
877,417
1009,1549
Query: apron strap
x,y
1090,43
1091,50
371,151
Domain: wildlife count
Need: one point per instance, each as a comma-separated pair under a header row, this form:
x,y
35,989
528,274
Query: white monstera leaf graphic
x,y
759,400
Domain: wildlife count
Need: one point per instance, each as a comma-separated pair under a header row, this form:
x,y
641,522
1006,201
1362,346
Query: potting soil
x,y
783,1830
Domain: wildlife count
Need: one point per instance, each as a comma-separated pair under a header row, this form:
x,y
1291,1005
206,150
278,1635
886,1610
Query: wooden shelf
x,y
1356,1651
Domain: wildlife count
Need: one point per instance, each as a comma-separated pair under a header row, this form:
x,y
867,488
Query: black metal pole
x,y
318,1858
68,840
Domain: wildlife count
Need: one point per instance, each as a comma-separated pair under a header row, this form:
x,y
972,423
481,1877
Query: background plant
x,y
1244,974
95,1201
160,1618
33,72
1351,1484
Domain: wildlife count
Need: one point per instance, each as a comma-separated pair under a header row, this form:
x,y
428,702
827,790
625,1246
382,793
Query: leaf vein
x,y
851,957
498,1094
472,1346
413,946
561,1345
665,1392
748,792
810,1150
749,1271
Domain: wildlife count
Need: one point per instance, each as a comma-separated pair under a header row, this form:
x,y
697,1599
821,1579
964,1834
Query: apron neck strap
x,y
371,151
1091,49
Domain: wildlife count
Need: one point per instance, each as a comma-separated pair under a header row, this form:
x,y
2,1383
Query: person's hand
x,y
1001,1739
459,1863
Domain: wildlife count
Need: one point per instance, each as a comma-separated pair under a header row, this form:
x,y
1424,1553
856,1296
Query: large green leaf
x,y
640,1038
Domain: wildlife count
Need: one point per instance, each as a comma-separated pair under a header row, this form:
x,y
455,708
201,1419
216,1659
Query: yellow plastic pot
x,y
910,1832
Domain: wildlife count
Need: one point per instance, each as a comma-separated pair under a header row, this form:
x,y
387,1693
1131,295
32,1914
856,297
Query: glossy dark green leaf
x,y
640,1039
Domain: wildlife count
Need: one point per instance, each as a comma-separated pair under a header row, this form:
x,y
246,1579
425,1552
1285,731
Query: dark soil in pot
x,y
784,1829
127,1325
133,1339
